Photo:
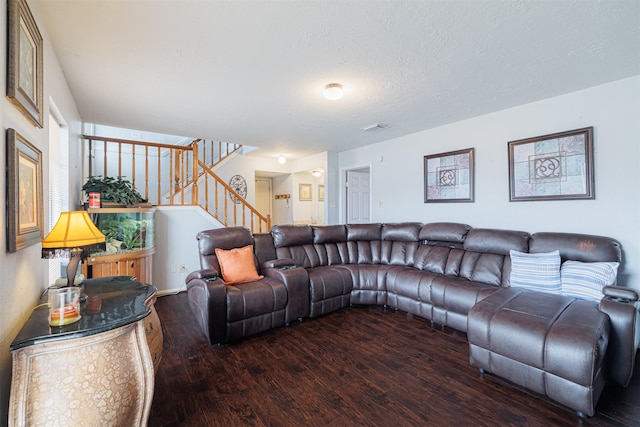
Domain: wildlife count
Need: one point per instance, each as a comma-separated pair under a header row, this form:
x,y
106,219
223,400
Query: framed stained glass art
x,y
558,166
448,177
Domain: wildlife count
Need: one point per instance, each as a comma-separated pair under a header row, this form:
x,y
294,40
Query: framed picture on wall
x,y
305,192
24,70
448,177
558,166
24,193
321,193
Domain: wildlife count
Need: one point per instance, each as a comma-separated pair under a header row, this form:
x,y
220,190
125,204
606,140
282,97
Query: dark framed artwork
x,y
24,65
24,193
558,166
448,177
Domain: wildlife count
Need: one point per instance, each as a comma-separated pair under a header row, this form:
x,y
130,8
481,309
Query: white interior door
x,y
263,196
358,197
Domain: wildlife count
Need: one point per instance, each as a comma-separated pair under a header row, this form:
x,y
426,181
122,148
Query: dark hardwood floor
x,y
362,366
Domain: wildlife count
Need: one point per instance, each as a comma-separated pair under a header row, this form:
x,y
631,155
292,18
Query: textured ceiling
x,y
252,72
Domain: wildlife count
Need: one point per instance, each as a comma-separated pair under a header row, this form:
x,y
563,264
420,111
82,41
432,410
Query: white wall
x,y
176,245
24,273
283,208
612,109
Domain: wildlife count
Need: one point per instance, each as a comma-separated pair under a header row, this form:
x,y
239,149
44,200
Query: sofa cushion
x,y
438,259
291,235
444,233
585,280
237,265
401,232
255,298
482,267
329,234
329,288
453,297
577,247
364,243
399,243
364,232
495,241
223,238
538,272
369,283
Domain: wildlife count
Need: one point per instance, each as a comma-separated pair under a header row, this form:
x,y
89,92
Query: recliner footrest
x,y
550,344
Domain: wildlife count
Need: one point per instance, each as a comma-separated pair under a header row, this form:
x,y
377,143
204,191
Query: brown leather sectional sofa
x,y
451,274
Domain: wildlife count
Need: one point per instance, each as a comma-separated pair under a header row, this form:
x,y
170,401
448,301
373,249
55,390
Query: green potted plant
x,y
113,190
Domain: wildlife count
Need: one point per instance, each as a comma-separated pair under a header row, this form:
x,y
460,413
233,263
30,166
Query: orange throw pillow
x,y
237,265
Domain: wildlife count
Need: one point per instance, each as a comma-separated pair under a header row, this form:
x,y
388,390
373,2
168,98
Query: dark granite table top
x,y
112,302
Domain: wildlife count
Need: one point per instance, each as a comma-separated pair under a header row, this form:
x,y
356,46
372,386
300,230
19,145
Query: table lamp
x,y
70,237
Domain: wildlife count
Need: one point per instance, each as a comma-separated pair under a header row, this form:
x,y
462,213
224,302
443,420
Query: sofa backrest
x,y
477,254
441,249
487,254
330,244
264,249
364,242
314,246
294,242
223,238
577,247
399,243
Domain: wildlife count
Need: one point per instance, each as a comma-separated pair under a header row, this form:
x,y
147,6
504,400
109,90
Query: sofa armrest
x,y
296,280
620,293
208,301
208,274
280,264
620,304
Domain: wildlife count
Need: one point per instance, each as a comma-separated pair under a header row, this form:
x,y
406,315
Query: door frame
x,y
270,195
344,211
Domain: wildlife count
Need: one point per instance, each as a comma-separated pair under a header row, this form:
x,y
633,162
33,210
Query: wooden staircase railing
x,y
226,205
164,175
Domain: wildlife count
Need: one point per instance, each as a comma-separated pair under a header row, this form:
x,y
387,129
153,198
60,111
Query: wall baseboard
x,y
171,291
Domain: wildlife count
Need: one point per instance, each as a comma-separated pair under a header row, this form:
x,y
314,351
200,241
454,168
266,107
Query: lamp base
x,y
62,281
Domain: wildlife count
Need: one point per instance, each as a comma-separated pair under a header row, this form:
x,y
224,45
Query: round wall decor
x,y
239,185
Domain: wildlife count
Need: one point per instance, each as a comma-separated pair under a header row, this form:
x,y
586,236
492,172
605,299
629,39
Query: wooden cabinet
x,y
153,333
97,371
135,264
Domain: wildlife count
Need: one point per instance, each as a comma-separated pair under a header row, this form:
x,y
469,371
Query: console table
x,y
99,370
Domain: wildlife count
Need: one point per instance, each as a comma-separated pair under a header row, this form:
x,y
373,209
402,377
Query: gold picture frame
x,y
24,193
305,192
24,65
321,193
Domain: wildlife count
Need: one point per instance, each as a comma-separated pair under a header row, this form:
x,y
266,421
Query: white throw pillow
x,y
538,271
585,280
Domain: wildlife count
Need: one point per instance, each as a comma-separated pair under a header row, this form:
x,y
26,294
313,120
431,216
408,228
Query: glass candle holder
x,y
64,305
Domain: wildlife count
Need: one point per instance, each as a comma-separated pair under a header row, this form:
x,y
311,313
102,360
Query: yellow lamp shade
x,y
73,230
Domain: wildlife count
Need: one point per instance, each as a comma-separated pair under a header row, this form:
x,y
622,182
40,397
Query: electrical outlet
x,y
182,268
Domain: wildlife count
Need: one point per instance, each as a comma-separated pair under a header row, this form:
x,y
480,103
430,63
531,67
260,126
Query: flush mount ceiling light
x,y
333,91
316,172
282,159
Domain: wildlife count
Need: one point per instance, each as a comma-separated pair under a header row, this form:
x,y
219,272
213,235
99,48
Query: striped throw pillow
x,y
585,280
538,272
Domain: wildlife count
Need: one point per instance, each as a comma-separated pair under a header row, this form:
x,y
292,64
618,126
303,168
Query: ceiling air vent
x,y
374,127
